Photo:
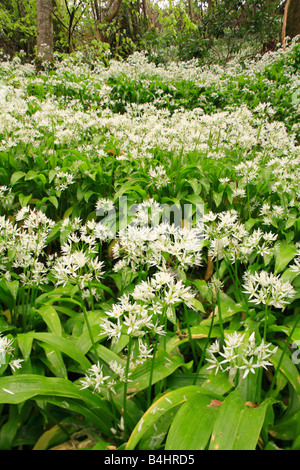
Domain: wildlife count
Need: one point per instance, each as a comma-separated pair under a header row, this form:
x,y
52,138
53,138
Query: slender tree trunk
x,y
44,29
283,35
113,12
293,18
190,4
146,11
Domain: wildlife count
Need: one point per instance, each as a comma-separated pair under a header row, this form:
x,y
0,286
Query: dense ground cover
x,y
150,254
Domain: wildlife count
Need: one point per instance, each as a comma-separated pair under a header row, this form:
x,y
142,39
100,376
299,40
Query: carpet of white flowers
x,y
150,253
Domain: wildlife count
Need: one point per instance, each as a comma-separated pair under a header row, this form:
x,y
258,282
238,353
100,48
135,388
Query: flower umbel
x,y
239,353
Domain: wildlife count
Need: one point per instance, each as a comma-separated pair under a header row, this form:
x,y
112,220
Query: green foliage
x,y
18,26
84,304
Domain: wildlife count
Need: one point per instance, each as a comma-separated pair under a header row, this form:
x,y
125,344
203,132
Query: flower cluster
x,y
228,238
268,289
6,350
239,353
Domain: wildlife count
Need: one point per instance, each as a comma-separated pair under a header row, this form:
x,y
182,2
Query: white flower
x,y
94,378
16,364
268,289
239,353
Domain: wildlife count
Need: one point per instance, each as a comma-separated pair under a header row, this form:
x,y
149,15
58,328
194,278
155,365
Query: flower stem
x,y
186,314
282,356
205,347
260,372
126,385
219,305
151,373
89,329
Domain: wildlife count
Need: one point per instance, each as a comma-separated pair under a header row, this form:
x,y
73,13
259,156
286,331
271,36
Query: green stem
x,y
205,347
266,323
281,357
126,386
151,373
260,372
219,305
89,329
186,314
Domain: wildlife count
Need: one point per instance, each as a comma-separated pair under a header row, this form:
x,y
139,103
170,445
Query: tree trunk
x,y
146,11
190,5
291,27
113,12
44,30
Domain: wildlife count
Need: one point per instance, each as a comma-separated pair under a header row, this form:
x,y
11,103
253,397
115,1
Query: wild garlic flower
x,y
268,289
127,317
158,176
63,179
6,197
228,237
95,378
158,245
16,364
5,347
77,267
239,353
104,205
163,292
140,313
296,266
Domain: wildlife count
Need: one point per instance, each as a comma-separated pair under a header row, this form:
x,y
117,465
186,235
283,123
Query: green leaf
x,y
65,346
164,365
10,429
161,406
19,388
288,369
51,318
16,176
283,255
13,287
193,424
24,199
238,425
56,362
25,343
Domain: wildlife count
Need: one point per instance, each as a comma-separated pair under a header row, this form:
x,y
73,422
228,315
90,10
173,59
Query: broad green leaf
x,y
238,425
51,318
161,406
53,435
164,365
56,362
13,287
288,369
107,355
24,200
286,428
16,176
283,255
193,424
65,346
25,341
129,185
19,388
228,308
84,342
10,428
156,434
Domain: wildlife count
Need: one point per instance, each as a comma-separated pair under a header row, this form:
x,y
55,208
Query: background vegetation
x,y
128,334
213,30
